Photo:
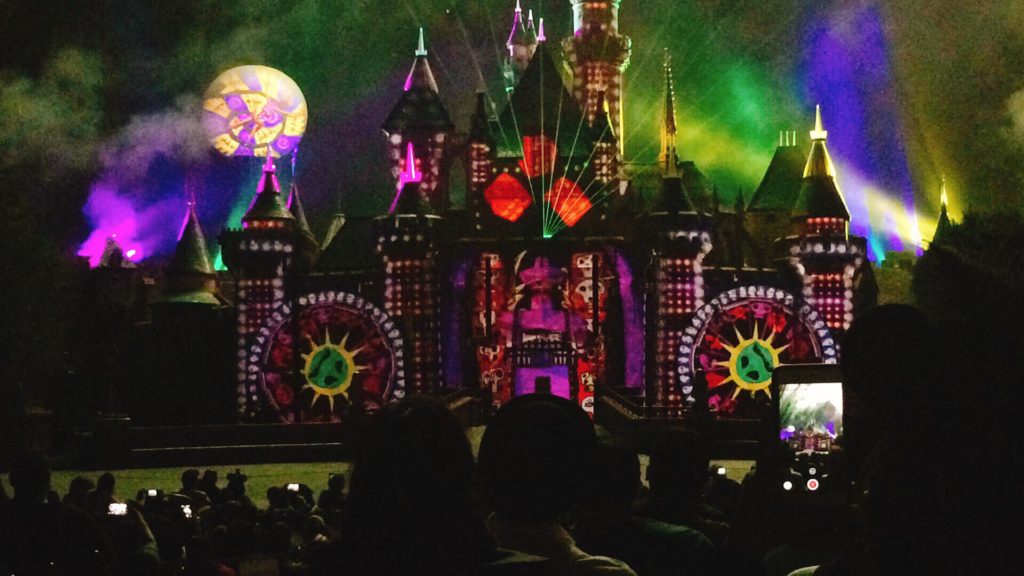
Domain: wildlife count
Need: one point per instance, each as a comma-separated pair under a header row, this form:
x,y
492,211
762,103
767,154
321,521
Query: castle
x,y
569,269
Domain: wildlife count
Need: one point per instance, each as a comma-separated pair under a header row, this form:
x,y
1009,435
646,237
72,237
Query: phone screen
x,y
810,415
117,509
293,487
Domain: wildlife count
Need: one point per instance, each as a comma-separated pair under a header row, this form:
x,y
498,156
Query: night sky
x,y
100,100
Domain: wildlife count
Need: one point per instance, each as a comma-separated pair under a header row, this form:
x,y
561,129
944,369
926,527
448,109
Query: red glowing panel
x,y
538,156
568,201
507,198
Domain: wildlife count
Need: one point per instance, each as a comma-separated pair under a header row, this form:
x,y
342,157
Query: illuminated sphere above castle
x,y
250,110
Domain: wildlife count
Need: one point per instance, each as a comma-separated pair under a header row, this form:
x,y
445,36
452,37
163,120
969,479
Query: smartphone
x,y
809,419
293,487
151,493
186,510
117,509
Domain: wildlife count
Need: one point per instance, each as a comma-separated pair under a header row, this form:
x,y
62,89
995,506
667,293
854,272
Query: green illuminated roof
x,y
191,256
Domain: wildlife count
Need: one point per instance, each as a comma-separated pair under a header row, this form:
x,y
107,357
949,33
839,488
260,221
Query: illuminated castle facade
x,y
569,269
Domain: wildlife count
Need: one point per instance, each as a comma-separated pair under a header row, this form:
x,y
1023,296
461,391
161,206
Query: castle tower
x,y
677,238
598,56
262,257
406,243
944,224
420,118
479,148
820,248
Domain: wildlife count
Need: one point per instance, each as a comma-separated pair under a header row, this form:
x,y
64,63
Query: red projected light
x,y
569,202
538,156
507,198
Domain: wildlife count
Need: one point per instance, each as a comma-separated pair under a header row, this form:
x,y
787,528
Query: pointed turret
x,y
531,28
421,76
522,40
420,117
541,37
191,278
336,225
295,207
819,196
267,208
668,158
944,224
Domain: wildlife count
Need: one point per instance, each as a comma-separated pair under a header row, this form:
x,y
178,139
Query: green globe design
x,y
754,364
329,369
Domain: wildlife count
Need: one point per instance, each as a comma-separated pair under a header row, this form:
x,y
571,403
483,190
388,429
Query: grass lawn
x,y
263,476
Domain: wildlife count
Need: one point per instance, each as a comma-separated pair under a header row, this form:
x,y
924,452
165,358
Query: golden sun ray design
x,y
329,368
751,362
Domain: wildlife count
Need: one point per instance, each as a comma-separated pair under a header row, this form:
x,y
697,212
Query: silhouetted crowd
x,y
923,484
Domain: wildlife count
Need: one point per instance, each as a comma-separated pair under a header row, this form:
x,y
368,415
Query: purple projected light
x,y
847,71
138,232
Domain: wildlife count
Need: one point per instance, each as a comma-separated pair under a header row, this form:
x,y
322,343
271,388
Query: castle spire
x,y
191,278
267,206
820,196
295,207
421,49
668,158
522,40
421,76
944,223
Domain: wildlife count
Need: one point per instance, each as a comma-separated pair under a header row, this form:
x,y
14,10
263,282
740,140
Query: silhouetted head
x,y
30,477
189,479
410,488
535,457
80,486
679,463
891,362
105,483
277,497
209,478
616,484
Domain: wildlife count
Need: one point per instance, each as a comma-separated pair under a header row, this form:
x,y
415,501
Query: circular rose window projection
x,y
342,353
739,338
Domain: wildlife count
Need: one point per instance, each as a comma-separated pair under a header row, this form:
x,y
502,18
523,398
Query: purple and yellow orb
x,y
254,110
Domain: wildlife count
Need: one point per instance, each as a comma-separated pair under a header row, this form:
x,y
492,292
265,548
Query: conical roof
x,y
780,185
540,104
268,205
336,225
421,76
944,224
295,207
191,257
419,107
518,36
819,195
